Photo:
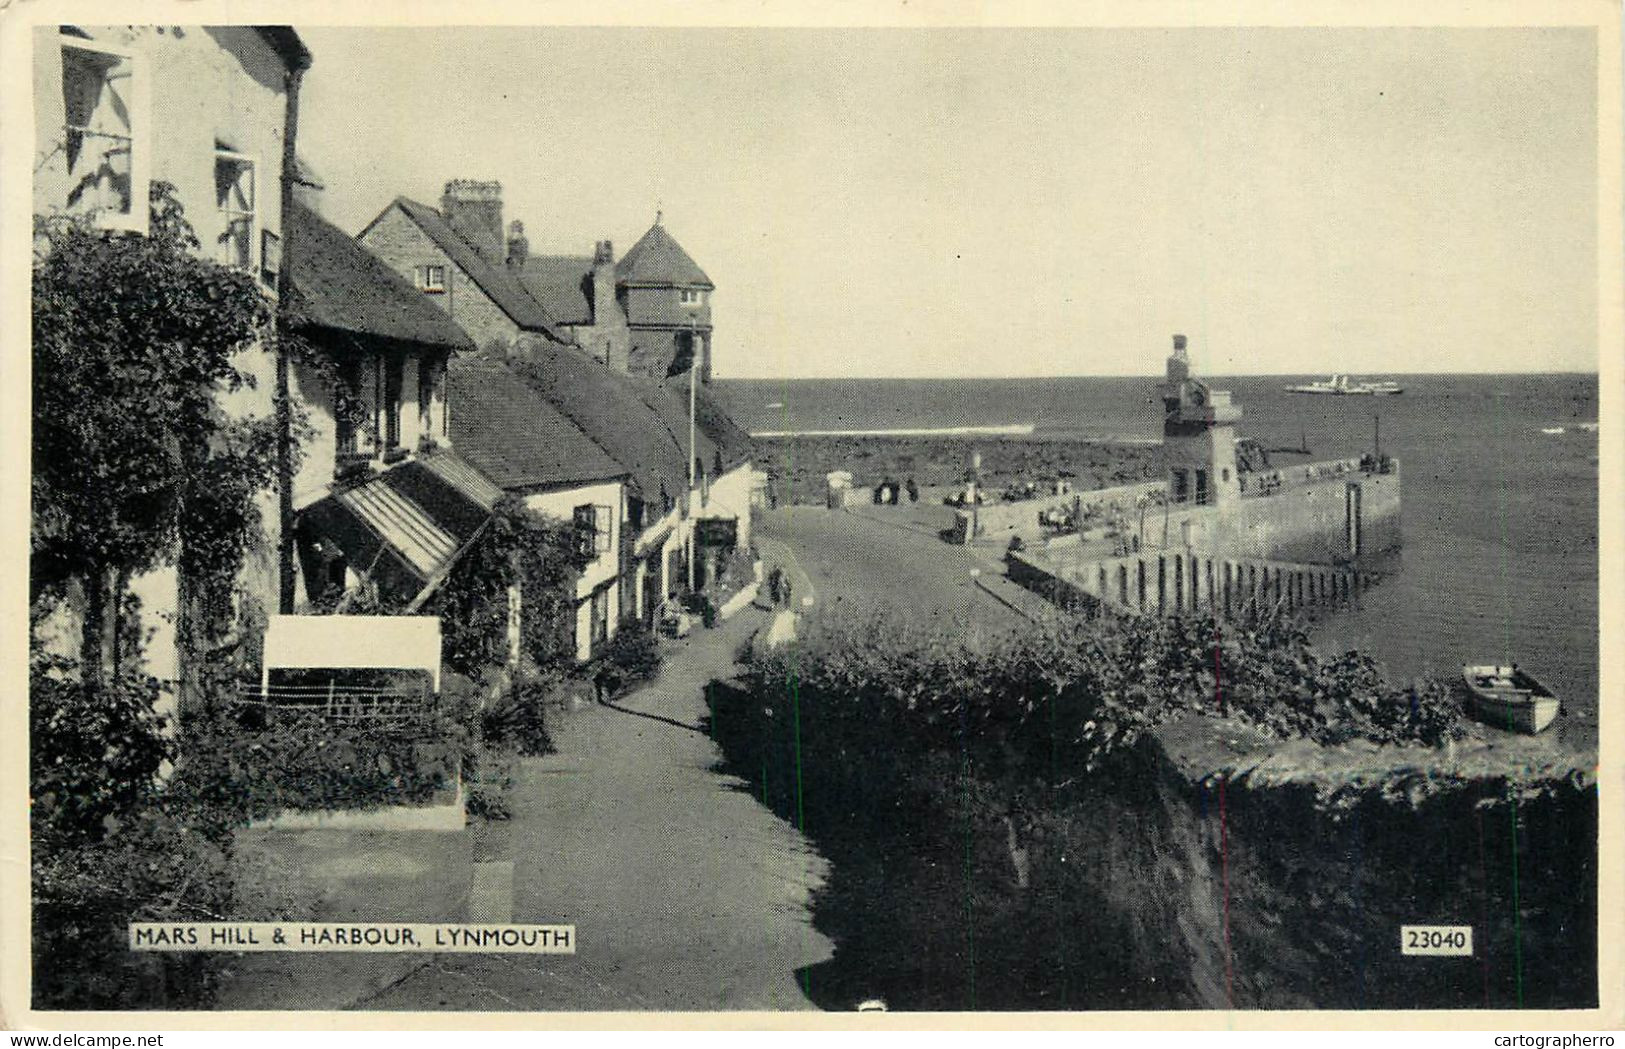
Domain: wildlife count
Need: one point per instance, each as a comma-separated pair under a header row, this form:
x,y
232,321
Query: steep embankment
x,y
1211,868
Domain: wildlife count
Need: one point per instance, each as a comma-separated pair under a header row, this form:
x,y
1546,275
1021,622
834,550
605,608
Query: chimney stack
x,y
603,284
474,210
518,244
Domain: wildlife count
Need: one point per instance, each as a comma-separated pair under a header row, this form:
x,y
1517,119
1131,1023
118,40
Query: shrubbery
x,y
977,795
633,654
1069,695
516,718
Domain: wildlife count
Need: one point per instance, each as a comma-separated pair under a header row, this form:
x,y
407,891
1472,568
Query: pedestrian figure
x,y
913,491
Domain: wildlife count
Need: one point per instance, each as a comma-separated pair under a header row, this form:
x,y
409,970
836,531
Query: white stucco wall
x,y
604,569
190,88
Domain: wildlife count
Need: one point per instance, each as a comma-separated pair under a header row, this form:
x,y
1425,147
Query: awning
x,y
405,527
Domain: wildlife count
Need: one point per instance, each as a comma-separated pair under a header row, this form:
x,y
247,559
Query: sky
x,y
1023,202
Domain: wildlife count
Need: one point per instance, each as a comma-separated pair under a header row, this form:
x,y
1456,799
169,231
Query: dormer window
x,y
234,199
431,279
689,296
100,110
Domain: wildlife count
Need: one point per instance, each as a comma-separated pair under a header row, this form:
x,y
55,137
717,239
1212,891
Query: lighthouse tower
x,y
1198,436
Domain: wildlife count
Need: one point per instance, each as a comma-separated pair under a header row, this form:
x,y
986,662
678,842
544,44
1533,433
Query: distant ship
x,y
1341,386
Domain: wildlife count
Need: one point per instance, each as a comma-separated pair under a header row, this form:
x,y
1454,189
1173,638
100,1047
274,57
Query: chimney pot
x,y
518,244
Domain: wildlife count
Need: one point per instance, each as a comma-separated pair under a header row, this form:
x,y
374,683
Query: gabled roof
x,y
498,284
514,436
621,414
561,284
658,260
336,283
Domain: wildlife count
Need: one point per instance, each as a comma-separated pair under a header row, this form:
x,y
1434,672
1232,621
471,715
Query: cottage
x,y
456,258
644,425
647,314
380,496
210,111
528,449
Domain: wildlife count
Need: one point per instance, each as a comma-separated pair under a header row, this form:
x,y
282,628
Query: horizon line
x,y
1134,375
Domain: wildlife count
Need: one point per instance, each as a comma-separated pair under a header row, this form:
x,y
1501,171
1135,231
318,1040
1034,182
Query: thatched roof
x,y
515,437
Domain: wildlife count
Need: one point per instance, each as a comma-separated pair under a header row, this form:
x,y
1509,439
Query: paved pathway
x,y
858,562
685,892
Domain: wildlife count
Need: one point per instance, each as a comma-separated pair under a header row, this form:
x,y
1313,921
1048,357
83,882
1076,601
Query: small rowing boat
x,y
1508,697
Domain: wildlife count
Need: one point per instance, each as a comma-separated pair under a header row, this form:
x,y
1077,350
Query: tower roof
x,y
658,260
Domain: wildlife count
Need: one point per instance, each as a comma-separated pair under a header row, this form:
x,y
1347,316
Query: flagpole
x,y
693,359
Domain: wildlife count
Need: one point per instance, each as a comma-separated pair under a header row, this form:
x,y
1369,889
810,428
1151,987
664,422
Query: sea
x,y
1499,561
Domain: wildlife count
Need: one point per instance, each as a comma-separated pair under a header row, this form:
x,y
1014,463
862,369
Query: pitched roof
x,y
514,436
714,421
621,414
404,527
502,287
336,283
560,283
659,260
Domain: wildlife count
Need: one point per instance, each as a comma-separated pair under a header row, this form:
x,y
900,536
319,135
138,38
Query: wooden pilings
x,y
1168,581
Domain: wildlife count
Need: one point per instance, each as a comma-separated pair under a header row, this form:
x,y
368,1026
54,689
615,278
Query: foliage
x,y
132,337
540,553
517,720
633,653
156,865
1016,765
1049,703
113,843
95,750
134,463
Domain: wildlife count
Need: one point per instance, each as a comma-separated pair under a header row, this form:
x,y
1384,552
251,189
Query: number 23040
x,y
1436,940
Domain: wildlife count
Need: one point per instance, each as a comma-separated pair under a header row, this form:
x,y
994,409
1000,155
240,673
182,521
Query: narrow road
x,y
866,563
686,893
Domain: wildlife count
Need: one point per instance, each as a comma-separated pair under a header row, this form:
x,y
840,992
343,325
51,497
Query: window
x,y
98,131
431,279
689,296
394,379
234,198
592,524
270,258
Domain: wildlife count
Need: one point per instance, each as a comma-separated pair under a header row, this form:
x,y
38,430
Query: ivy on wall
x,y
537,552
135,465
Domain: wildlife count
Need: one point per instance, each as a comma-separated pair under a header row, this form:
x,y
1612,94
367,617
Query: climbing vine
x,y
135,465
